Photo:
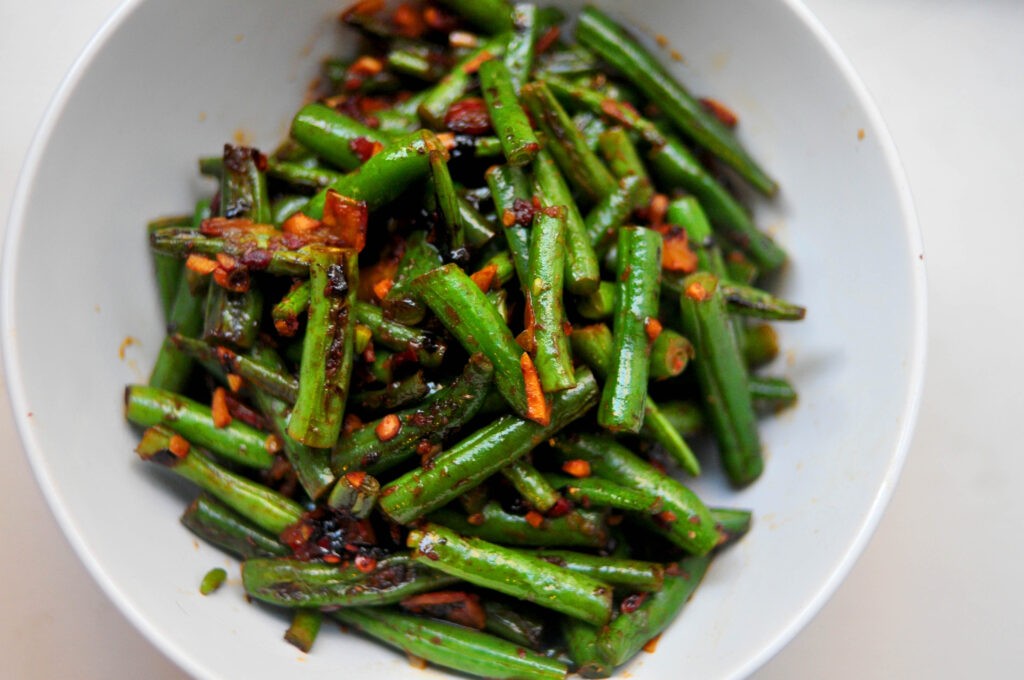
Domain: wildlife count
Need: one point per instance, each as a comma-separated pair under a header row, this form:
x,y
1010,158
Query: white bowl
x,y
165,81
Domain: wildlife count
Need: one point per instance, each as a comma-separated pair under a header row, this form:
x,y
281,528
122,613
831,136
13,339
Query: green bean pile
x,y
427,360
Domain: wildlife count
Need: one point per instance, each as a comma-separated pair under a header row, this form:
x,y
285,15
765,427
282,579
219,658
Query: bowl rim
x,y
185,659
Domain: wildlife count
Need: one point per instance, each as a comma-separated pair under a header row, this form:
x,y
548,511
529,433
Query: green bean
x,y
593,345
274,382
688,214
168,269
480,455
491,16
509,185
624,161
444,644
397,394
581,641
183,242
600,33
211,166
173,367
513,624
566,60
670,353
599,305
419,257
311,465
692,527
633,574
385,175
296,583
605,104
468,315
591,127
286,313
478,229
739,268
439,415
326,349
579,528
636,304
590,491
224,528
285,206
457,81
723,378
531,485
267,509
760,345
302,176
213,580
771,393
428,348
511,572
575,158
547,268
232,318
396,124
520,53
518,141
582,272
416,59
685,417
304,628
626,635
678,167
344,80
441,197
237,442
732,524
604,220
355,493
243,185
749,301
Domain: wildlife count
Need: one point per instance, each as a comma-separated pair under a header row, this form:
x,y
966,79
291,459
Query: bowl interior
x,y
170,80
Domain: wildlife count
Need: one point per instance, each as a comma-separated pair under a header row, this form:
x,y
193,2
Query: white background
x,y
938,592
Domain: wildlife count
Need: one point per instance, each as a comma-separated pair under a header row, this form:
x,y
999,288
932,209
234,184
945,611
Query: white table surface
x,y
938,592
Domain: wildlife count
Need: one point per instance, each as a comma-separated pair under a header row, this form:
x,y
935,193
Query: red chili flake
x,y
388,427
417,662
355,478
408,21
473,65
620,111
364,148
235,382
560,508
652,644
365,564
179,446
534,519
508,218
667,516
695,291
351,423
652,327
723,113
476,519
300,223
468,116
484,277
226,261
676,255
632,603
346,219
381,288
219,408
576,467
439,19
546,40
694,520
200,264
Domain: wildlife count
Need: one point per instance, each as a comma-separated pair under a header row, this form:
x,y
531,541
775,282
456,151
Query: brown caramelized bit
x,y
219,408
724,115
417,662
523,211
653,328
632,603
560,508
485,277
388,427
179,446
242,412
455,606
547,40
468,116
577,468
476,519
273,444
351,423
